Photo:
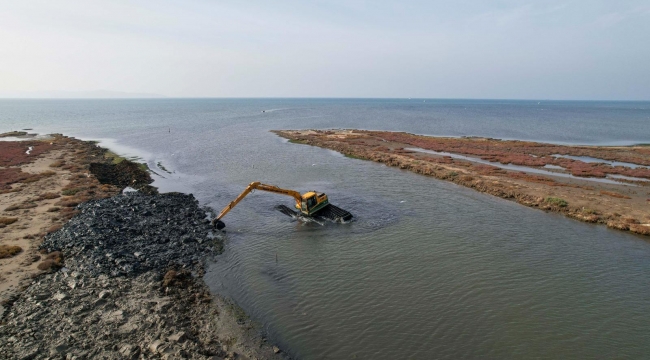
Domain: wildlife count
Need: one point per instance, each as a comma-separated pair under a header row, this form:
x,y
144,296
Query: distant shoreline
x,y
164,97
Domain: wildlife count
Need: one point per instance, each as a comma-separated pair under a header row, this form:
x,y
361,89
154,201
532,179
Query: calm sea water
x,y
428,269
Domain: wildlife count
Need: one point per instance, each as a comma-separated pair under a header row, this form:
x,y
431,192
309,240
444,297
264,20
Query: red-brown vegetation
x,y
528,189
532,154
9,176
14,153
488,170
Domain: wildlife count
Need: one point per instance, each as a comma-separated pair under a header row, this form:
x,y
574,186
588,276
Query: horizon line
x,y
308,98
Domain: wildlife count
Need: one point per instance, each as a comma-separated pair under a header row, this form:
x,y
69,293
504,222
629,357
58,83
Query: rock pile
x,y
133,233
130,288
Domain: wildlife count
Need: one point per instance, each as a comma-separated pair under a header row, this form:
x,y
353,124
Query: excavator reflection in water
x,y
310,204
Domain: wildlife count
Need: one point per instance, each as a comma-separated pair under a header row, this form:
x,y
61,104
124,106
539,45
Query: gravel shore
x,y
126,283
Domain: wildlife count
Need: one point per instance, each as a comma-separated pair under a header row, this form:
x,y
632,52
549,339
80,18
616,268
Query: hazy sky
x,y
436,49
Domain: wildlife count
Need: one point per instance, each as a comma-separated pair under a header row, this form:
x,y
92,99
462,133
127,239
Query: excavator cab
x,y
312,202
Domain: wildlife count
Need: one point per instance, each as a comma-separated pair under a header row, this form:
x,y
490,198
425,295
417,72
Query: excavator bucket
x,y
218,224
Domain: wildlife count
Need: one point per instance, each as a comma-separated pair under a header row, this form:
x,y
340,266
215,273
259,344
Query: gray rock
x,y
30,353
154,346
58,349
61,296
178,337
129,351
115,307
42,296
109,234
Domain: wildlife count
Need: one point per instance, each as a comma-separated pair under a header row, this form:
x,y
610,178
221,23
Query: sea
x,y
428,269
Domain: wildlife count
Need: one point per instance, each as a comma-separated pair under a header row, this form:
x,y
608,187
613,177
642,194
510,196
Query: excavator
x,y
310,204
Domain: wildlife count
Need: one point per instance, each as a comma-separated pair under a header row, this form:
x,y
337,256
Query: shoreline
x,y
101,273
540,176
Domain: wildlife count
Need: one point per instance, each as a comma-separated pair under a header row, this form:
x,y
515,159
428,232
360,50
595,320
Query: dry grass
x,y
68,202
640,229
8,191
7,251
613,194
630,221
37,177
70,192
169,277
67,213
54,228
7,220
71,167
53,260
57,163
25,205
556,201
180,279
48,196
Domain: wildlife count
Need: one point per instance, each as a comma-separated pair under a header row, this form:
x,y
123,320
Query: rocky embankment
x,y
101,274
129,286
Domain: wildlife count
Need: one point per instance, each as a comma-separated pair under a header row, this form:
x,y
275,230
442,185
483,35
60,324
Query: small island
x,y
596,184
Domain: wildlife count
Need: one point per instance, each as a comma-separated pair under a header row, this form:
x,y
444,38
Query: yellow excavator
x,y
310,204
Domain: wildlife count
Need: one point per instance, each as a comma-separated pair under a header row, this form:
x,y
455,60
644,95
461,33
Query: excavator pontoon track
x,y
330,212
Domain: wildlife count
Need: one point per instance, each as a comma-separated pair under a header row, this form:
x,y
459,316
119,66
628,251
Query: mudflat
x,y
596,184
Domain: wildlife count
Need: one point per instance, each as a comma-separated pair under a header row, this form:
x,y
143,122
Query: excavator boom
x,y
256,185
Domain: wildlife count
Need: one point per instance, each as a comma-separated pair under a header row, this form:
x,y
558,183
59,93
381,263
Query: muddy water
x,y
428,269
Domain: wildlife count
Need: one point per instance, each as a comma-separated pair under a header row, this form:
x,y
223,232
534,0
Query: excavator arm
x,y
256,185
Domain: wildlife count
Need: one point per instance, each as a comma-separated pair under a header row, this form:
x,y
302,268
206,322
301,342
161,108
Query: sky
x,y
566,50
